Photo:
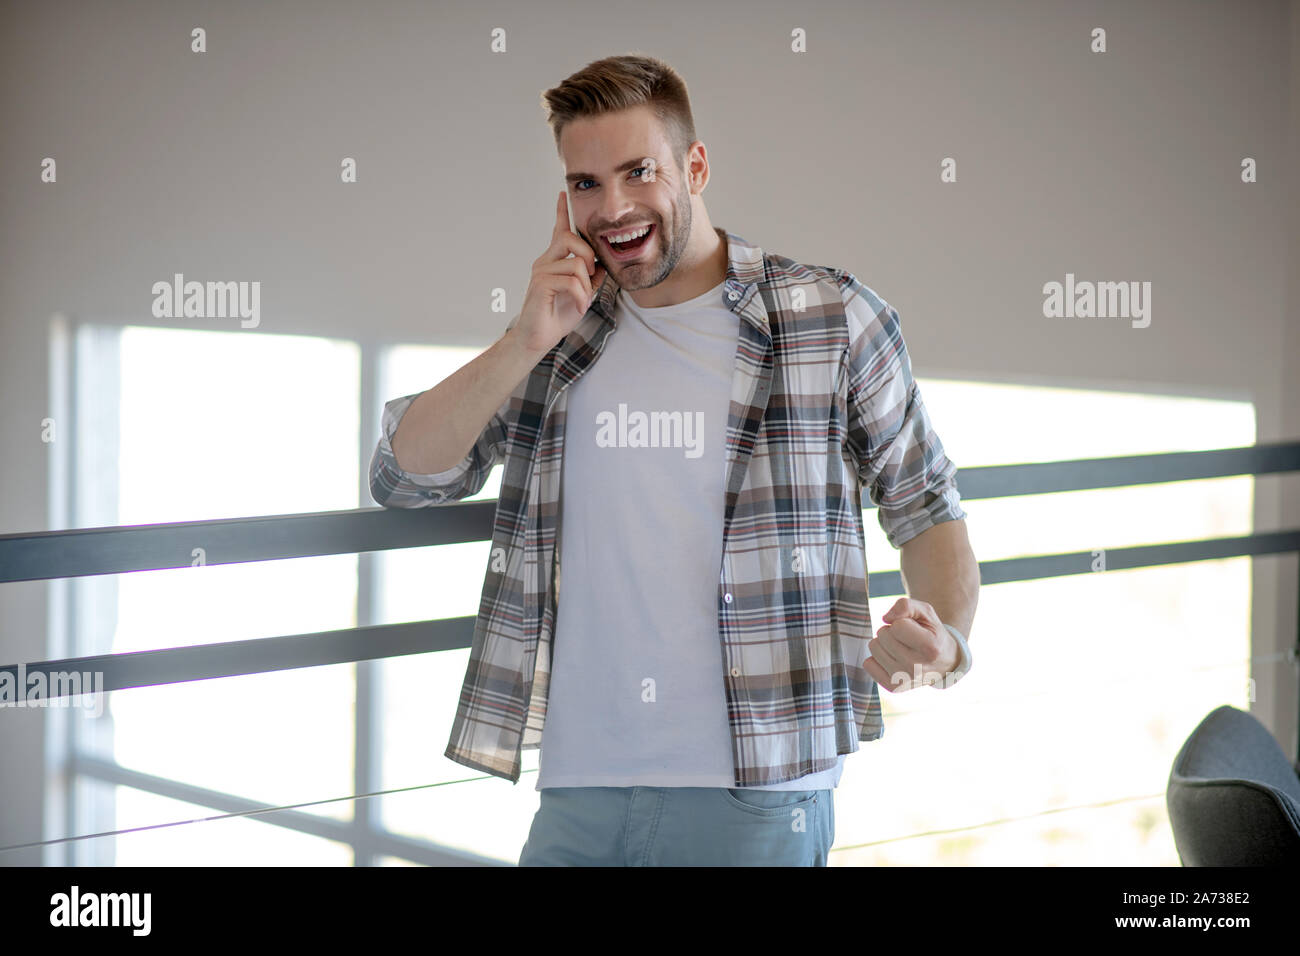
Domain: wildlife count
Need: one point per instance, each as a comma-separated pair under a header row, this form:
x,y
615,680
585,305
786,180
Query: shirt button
x,y
735,672
733,296
727,597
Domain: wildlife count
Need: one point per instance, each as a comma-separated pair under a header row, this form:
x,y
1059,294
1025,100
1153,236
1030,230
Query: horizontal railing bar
x,y
317,825
259,655
173,665
1009,570
1037,478
78,552
85,551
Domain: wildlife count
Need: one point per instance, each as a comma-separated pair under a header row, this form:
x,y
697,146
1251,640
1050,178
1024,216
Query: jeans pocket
x,y
767,803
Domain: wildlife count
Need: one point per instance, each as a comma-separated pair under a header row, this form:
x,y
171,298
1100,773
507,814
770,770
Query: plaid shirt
x,y
822,404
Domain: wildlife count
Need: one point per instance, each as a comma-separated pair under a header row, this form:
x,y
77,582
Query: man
x,y
676,587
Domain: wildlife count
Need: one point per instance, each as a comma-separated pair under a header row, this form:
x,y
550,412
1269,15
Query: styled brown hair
x,y
619,83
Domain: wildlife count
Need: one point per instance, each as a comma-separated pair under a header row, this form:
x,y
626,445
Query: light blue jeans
x,y
680,826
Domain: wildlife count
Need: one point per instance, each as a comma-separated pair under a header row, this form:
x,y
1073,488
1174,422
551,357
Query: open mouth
x,y
634,241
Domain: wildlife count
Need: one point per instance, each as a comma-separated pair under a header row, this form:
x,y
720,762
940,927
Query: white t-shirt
x,y
636,695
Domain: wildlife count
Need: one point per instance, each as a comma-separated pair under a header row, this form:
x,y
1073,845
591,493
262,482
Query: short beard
x,y
676,246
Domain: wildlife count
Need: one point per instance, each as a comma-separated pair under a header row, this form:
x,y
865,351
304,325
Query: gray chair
x,y
1233,796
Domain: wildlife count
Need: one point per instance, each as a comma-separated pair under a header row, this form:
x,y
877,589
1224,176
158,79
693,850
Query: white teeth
x,y
629,236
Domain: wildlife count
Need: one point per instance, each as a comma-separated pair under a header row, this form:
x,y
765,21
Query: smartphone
x,y
595,250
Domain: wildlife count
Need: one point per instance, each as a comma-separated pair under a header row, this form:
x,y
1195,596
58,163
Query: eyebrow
x,y
621,167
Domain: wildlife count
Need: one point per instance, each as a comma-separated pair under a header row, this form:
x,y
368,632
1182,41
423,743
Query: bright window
x,y
1085,686
484,816
209,425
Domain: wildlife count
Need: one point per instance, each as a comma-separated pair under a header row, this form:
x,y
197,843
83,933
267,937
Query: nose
x,y
616,204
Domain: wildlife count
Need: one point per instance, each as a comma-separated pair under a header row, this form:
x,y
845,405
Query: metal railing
x,y
114,550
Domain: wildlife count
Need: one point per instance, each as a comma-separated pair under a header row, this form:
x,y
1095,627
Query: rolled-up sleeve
x,y
900,459
392,487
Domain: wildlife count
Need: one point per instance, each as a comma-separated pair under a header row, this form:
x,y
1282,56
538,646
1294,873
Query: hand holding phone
x,y
564,281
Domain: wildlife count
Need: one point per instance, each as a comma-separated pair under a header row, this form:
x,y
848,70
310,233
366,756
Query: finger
x,y
568,267
908,678
580,289
906,607
917,660
564,244
885,679
561,216
913,635
888,656
877,673
571,286
572,243
895,655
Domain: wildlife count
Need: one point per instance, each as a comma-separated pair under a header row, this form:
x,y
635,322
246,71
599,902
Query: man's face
x,y
622,175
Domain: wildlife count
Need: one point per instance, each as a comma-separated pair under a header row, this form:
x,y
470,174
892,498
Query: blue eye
x,y
578,187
